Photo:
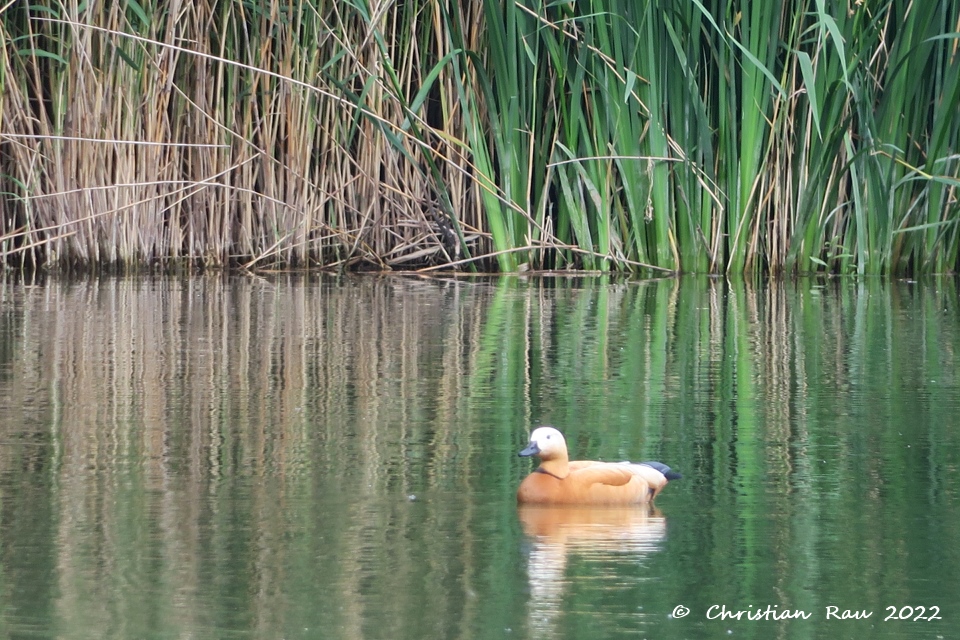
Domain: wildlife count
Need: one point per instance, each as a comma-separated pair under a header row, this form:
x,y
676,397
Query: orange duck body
x,y
585,482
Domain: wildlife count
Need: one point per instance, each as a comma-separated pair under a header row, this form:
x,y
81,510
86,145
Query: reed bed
x,y
655,136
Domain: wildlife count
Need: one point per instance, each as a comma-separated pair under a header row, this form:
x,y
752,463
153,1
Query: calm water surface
x,y
322,457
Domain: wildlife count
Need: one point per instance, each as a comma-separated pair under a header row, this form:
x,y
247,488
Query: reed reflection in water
x,y
276,456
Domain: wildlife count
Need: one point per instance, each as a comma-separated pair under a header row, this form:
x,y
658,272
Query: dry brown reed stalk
x,y
300,156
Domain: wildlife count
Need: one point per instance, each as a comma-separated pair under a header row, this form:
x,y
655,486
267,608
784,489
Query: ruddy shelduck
x,y
585,482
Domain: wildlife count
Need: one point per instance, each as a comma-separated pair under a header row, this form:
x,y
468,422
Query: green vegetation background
x,y
663,135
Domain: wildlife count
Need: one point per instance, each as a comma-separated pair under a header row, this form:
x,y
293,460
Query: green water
x,y
317,457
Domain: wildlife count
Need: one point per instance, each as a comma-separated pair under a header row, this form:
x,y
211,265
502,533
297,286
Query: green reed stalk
x,y
650,65
691,129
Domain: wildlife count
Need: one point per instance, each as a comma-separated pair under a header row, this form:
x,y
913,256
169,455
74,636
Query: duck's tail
x,y
667,472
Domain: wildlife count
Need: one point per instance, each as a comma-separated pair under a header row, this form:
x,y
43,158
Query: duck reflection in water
x,y
598,536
